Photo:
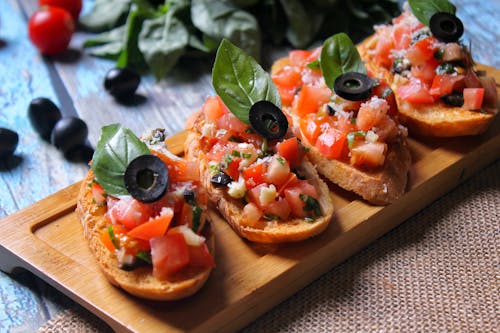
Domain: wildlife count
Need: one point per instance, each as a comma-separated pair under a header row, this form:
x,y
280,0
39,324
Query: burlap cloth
x,y
437,272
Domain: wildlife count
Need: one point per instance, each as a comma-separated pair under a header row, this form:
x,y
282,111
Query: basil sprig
x,y
240,81
116,148
339,56
424,9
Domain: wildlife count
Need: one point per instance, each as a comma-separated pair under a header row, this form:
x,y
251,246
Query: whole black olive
x,y
221,179
446,27
8,142
453,99
79,154
43,115
121,83
146,178
68,133
353,86
268,120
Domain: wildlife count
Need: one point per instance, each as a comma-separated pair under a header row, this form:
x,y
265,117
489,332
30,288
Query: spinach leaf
x,y
107,44
339,56
162,41
116,148
105,15
303,24
220,19
424,9
240,81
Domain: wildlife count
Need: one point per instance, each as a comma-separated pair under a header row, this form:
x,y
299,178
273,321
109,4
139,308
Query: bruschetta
x,y
346,119
143,213
438,91
254,170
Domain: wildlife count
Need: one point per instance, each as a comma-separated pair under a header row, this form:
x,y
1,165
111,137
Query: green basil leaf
x,y
116,148
240,81
221,19
162,41
424,9
339,56
105,15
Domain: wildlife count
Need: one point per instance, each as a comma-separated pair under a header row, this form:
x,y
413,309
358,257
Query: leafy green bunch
x,y
154,34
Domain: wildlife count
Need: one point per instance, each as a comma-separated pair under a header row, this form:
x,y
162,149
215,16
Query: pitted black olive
x,y
446,27
8,142
68,133
221,179
121,83
353,86
43,115
146,178
268,120
453,99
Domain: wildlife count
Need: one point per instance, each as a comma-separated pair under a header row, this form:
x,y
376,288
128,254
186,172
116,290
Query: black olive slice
x,y
353,86
446,27
453,99
221,179
268,120
146,178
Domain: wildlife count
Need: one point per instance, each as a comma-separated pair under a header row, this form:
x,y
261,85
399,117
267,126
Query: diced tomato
x,y
383,90
369,154
371,113
473,98
280,208
98,193
129,212
254,194
212,109
287,77
220,149
331,143
446,84
155,227
310,126
178,168
310,98
229,121
277,171
199,256
315,53
401,36
422,51
386,129
292,195
415,92
251,214
426,70
169,254
232,169
254,175
383,51
287,95
292,151
291,180
299,58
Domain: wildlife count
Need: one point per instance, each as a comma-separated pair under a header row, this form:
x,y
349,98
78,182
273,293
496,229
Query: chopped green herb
x,y
439,54
311,204
281,160
247,155
386,93
111,233
271,217
214,169
144,256
196,217
236,153
352,136
264,145
309,219
314,64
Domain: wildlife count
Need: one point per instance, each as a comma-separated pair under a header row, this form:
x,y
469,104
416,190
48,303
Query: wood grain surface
x,y
74,82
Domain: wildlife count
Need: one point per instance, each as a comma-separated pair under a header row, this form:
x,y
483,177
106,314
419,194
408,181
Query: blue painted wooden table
x,y
38,169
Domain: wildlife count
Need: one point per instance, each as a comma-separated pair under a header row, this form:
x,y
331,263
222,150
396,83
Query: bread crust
x,y
265,231
434,120
139,282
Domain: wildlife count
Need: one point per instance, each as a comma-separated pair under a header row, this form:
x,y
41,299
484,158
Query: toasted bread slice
x,y
435,120
140,281
264,231
379,186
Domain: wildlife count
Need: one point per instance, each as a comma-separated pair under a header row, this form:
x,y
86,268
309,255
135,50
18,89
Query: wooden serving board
x,y
46,239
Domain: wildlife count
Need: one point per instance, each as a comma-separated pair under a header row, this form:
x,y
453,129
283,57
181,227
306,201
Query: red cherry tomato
x,y
74,7
50,30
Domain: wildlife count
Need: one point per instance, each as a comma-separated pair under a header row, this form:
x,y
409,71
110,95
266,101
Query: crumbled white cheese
x,y
237,189
371,136
208,129
191,238
267,195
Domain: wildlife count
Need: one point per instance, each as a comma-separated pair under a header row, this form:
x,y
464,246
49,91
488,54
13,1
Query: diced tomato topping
x,y
106,240
401,36
98,193
310,98
291,180
280,208
178,168
129,212
232,169
287,77
310,126
292,151
254,194
331,143
292,195
473,98
169,254
369,154
199,256
383,90
383,51
386,129
229,121
422,51
425,71
415,92
446,84
153,228
251,214
277,171
212,108
254,175
299,58
371,113
287,95
220,149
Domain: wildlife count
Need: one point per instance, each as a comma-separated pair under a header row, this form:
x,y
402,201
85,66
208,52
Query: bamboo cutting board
x,y
46,239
